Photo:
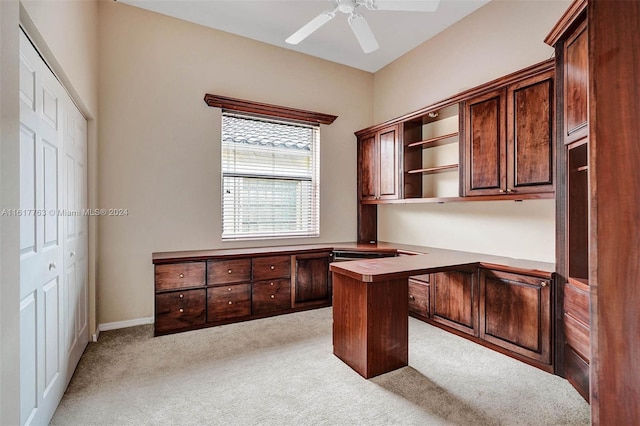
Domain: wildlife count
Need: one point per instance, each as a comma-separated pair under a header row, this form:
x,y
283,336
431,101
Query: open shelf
x,y
437,141
431,148
582,283
437,169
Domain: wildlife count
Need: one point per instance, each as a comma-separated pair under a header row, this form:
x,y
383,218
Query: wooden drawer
x,y
227,302
576,303
418,297
228,271
270,296
266,268
180,309
180,275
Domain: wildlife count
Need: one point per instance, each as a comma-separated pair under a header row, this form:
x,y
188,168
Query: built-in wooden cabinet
x,y
508,139
454,300
312,284
378,165
515,313
194,294
419,296
572,209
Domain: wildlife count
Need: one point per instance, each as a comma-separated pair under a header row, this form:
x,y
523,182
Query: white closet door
x,y
50,304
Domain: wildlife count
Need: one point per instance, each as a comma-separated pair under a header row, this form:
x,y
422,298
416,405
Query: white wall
x,y
160,143
499,38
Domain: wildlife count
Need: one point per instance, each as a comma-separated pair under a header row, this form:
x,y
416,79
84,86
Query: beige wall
x,y
160,144
499,38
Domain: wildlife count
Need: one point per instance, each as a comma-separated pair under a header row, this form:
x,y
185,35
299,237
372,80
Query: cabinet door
x,y
367,168
485,145
576,85
454,300
388,181
312,282
515,313
530,135
419,295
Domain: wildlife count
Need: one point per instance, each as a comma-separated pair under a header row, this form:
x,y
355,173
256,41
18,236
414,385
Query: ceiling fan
x,y
357,22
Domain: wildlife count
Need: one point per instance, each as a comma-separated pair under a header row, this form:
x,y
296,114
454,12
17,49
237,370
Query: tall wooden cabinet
x,y
598,213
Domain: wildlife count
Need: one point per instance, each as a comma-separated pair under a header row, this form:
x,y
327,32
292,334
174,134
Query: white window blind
x,y
270,178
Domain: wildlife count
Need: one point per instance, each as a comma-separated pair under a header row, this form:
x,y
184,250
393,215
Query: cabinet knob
x,y
73,253
182,296
412,297
273,297
543,284
181,310
273,267
271,284
181,275
229,288
509,190
230,302
229,271
502,191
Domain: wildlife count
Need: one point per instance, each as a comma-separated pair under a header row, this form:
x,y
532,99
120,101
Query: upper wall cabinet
x,y
379,165
508,139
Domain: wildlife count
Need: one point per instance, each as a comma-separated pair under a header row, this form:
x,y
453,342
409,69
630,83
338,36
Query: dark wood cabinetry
x,y
515,313
454,300
312,279
419,292
378,165
192,294
508,138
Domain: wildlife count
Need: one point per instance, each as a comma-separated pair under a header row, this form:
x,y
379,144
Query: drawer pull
x,y
181,310
230,302
271,284
273,267
229,271
181,296
273,297
229,288
181,275
412,297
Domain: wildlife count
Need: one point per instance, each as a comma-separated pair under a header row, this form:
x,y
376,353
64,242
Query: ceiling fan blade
x,y
310,27
406,5
363,33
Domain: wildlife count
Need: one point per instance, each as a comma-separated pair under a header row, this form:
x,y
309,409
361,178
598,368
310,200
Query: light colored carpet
x,y
281,371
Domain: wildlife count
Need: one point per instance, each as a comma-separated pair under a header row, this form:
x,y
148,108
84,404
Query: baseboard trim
x,y
122,324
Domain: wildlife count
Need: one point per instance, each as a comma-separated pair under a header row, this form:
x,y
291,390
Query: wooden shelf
x,y
433,170
437,141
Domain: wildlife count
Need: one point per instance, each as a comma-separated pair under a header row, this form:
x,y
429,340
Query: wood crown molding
x,y
539,68
251,107
567,19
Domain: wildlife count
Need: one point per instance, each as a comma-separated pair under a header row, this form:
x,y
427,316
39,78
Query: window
x,y
270,178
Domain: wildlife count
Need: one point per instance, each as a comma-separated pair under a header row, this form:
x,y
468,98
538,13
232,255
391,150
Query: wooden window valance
x,y
251,107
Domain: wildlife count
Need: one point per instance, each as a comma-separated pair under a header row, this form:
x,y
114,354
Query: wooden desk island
x,y
370,303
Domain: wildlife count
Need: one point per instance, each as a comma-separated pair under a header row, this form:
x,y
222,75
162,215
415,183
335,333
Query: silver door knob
x,y
52,265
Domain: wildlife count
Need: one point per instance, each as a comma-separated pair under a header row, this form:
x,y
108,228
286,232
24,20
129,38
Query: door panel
x,y
53,289
388,165
454,300
367,165
530,130
485,144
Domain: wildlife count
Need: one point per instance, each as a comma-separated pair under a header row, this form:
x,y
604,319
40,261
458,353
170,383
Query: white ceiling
x,y
272,21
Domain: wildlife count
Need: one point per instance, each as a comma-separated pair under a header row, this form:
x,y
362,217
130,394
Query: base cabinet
x,y
515,313
454,300
195,294
419,296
